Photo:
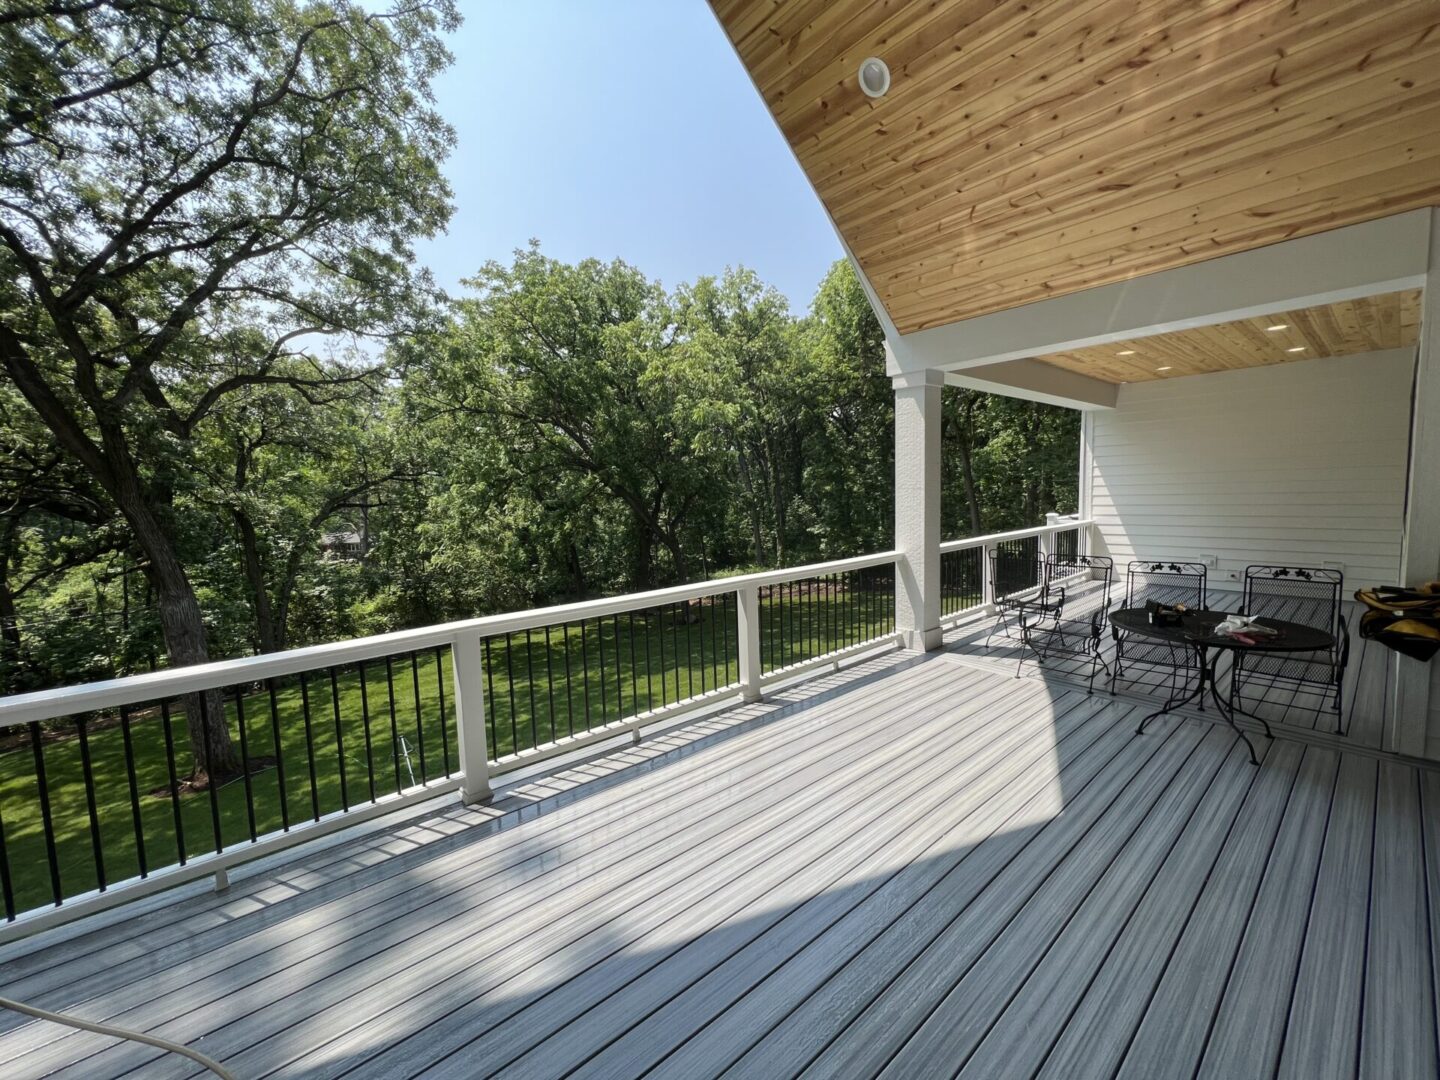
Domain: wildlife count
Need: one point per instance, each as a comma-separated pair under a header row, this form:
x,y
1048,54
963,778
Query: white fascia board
x,y
1034,380
1385,255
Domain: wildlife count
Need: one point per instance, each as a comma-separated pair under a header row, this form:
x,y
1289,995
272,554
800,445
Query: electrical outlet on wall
x,y
1340,566
1209,560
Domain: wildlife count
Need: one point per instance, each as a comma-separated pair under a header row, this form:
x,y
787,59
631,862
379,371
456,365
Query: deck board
x,y
1397,1034
396,962
943,871
1249,1027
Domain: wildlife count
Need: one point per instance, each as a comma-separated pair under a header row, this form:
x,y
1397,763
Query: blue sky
x,y
620,128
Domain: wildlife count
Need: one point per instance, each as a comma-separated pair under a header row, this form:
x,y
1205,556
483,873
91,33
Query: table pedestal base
x,y
1207,681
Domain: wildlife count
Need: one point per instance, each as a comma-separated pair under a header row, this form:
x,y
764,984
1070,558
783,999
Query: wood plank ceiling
x,y
1339,329
1027,150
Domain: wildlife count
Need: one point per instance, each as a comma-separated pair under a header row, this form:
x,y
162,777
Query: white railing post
x,y
984,575
469,667
747,609
1047,539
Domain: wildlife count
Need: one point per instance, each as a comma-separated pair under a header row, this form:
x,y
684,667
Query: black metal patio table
x,y
1196,630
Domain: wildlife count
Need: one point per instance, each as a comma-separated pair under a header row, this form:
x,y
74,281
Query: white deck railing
x,y
756,597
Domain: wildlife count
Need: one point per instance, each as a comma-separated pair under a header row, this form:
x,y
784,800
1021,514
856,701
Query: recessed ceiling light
x,y
874,76
1278,326
1126,352
1297,348
1165,368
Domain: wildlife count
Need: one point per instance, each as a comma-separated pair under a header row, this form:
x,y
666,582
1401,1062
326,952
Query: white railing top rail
x,y
155,685
1062,525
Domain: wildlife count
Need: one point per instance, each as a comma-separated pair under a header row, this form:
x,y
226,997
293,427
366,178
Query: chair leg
x,y
1003,620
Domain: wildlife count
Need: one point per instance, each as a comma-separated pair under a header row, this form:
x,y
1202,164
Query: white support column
x,y
747,608
469,667
1410,724
917,507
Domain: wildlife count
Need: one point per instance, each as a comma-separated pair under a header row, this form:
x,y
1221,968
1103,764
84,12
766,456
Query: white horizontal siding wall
x,y
1300,463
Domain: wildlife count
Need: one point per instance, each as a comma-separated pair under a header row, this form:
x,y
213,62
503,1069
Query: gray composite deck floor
x,y
931,870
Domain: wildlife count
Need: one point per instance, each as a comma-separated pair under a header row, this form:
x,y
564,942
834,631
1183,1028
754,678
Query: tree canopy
x,y
236,415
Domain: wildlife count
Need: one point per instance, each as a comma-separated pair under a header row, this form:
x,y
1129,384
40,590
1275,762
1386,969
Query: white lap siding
x,y
1299,463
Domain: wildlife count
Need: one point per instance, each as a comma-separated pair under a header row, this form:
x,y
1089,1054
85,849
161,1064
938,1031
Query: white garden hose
x,y
119,1033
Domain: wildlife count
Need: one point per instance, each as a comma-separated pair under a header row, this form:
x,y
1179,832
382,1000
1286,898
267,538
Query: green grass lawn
x,y
363,738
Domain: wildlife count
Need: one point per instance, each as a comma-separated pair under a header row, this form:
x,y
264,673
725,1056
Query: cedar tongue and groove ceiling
x,y
1029,150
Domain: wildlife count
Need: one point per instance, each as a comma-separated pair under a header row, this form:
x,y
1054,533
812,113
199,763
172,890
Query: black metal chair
x,y
1021,594
1312,682
1079,638
1165,582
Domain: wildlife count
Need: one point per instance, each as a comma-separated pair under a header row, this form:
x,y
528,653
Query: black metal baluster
x,y
851,622
394,722
619,669
339,740
585,670
309,745
490,701
279,756
832,612
700,632
649,672
91,808
444,722
419,716
675,647
530,678
796,637
725,623
822,644
365,722
174,778
600,644
47,819
862,623
510,679
569,685
807,623
664,694
781,594
550,682
134,784
245,763
7,890
212,785
714,647
634,670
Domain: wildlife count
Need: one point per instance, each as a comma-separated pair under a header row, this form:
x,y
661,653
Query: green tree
x,y
194,191
750,392
549,370
850,456
282,467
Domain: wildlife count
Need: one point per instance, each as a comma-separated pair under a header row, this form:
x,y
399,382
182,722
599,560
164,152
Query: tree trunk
x,y
114,468
183,628
283,593
10,645
255,579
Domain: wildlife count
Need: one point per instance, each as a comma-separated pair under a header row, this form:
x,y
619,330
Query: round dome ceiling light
x,y
874,77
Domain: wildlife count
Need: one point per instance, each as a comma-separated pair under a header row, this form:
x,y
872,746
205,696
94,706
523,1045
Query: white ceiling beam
x,y
1386,255
1034,380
